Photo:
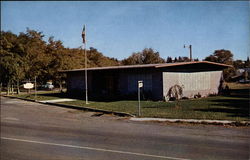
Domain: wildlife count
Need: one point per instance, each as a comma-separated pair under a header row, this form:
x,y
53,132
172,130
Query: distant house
x,y
199,77
242,75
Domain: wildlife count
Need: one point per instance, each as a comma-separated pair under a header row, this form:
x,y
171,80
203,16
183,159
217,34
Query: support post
x,y
86,75
140,85
139,102
86,63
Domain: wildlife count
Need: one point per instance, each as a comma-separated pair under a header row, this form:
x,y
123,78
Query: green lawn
x,y
207,108
233,107
46,95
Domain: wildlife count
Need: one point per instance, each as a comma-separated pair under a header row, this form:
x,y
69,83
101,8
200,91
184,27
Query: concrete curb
x,y
214,122
31,100
133,118
122,114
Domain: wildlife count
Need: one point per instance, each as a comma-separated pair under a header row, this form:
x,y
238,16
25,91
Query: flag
x,y
83,35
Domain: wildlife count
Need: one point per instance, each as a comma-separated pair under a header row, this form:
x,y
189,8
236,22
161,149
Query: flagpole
x,y
86,72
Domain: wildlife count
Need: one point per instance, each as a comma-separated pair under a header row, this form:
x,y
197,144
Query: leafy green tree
x,y
147,56
169,60
32,50
225,57
183,59
175,59
11,63
97,59
247,63
221,56
27,55
238,64
54,63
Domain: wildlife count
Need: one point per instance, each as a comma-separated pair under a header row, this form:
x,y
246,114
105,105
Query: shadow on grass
x,y
239,93
61,95
237,106
96,98
82,97
234,105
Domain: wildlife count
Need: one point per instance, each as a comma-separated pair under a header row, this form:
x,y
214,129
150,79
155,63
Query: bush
x,y
175,92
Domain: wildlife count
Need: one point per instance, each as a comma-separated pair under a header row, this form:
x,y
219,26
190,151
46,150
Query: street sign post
x,y
140,85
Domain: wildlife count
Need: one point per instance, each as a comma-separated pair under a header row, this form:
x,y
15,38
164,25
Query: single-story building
x,y
196,77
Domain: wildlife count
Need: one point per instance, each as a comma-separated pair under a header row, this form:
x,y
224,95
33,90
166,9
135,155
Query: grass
x,y
238,86
224,108
233,107
45,95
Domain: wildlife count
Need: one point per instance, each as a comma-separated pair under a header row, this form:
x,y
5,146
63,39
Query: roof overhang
x,y
191,63
161,65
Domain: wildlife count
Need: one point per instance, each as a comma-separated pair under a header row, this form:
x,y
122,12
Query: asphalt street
x,y
32,131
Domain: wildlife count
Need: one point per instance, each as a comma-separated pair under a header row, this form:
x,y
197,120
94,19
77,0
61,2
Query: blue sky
x,y
117,29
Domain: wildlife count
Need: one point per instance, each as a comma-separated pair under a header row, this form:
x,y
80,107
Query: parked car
x,y
48,85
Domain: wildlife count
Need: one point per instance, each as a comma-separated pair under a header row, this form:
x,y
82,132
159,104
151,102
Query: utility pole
x,y
86,73
190,51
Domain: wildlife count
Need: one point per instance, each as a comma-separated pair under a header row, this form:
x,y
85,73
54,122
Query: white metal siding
x,y
204,83
194,81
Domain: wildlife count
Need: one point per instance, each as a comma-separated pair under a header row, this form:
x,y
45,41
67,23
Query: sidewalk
x,y
55,103
222,122
58,100
133,118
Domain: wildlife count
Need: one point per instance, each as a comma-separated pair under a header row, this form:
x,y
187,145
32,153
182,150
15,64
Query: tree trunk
x,y
1,88
8,88
12,89
18,89
60,84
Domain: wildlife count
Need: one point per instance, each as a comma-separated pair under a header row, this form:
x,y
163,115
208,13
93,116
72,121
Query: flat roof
x,y
159,65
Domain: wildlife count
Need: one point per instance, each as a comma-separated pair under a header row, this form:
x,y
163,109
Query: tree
x,y
56,62
181,59
184,59
97,59
238,64
147,56
27,55
175,92
221,56
32,49
11,63
175,60
169,60
225,57
247,63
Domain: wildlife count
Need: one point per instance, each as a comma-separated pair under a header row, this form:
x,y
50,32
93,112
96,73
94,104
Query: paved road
x,y
31,131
